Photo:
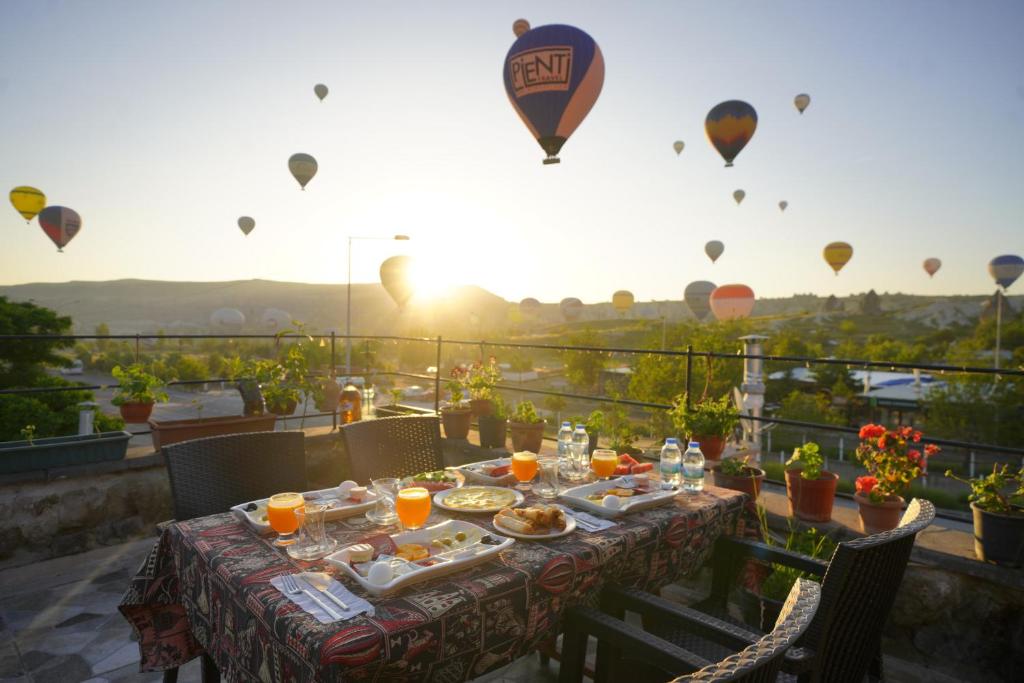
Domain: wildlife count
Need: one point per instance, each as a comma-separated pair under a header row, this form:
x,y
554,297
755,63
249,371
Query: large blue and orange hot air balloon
x,y
553,75
729,126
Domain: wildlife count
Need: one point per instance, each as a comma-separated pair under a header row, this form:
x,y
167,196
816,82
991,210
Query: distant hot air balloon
x,y
227,319
246,224
801,101
395,275
783,204
520,26
738,195
732,302
678,146
529,306
714,249
553,75
303,168
931,266
60,224
622,300
1006,269
838,254
729,126
275,319
571,308
697,296
28,201
321,91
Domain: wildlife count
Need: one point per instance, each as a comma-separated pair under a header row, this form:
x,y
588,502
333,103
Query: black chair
x,y
210,475
393,446
626,653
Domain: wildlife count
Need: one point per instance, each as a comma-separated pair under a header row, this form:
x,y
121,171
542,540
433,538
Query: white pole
x,y
348,316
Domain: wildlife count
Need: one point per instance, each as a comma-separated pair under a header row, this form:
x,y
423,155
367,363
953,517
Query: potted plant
x,y
526,428
494,427
810,488
707,422
326,394
136,392
480,381
735,473
34,453
595,425
456,415
998,510
892,460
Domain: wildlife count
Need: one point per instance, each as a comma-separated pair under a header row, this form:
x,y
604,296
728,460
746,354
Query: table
x,y
206,585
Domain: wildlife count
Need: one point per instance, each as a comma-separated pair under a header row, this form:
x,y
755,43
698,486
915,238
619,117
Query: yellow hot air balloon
x,y
303,168
320,90
837,255
678,146
622,300
520,26
738,195
28,201
801,101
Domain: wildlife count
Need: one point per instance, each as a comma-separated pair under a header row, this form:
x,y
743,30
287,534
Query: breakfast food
x,y
412,552
360,552
479,498
611,502
380,573
620,492
357,493
538,519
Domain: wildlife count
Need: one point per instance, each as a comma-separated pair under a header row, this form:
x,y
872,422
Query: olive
x,y
251,507
460,535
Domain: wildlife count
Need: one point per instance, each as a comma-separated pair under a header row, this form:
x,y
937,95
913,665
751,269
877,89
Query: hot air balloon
x,y
395,275
729,126
801,101
783,204
931,266
738,195
696,296
520,26
678,146
275,319
553,75
60,224
571,308
320,90
246,224
714,249
227,319
732,302
622,300
303,168
529,306
28,201
838,254
1006,269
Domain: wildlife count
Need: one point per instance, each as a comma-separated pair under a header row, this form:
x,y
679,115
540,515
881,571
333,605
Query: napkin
x,y
314,580
591,522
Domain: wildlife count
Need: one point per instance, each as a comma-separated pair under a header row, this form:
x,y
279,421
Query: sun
x,y
430,279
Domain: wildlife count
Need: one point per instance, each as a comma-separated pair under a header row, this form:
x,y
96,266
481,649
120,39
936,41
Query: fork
x,y
291,587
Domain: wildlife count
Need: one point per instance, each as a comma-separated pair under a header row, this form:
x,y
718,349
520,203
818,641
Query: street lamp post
x,y
348,297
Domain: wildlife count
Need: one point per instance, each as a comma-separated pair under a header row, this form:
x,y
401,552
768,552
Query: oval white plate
x,y
441,495
570,526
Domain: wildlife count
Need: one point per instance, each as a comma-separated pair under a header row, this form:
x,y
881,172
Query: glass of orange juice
x,y
524,468
603,462
413,507
282,518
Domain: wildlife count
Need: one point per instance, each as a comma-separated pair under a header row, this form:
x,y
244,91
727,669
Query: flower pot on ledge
x,y
135,413
62,451
456,422
493,431
811,499
166,432
999,537
710,446
481,406
526,436
878,517
749,482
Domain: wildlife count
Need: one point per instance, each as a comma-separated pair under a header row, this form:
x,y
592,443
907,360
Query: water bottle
x,y
579,453
564,441
693,468
670,466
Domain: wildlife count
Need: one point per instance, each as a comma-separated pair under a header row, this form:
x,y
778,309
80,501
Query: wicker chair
x,y
210,475
627,653
393,446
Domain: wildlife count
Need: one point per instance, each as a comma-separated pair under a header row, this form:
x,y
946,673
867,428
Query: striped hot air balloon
x,y
571,308
60,224
837,255
1006,269
732,302
553,75
622,300
697,296
729,126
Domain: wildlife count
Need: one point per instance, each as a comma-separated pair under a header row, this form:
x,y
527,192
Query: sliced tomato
x,y
622,469
627,459
642,467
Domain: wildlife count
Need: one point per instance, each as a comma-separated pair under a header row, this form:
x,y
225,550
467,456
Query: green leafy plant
x,y
135,385
595,421
707,417
500,411
456,386
396,395
994,492
808,459
525,413
481,379
198,406
28,432
619,428
736,466
812,543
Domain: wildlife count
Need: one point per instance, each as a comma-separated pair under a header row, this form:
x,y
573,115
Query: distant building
x,y
871,304
833,305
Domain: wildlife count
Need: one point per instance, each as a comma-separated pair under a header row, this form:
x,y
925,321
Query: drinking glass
x,y
383,512
524,468
603,462
547,482
413,507
313,541
281,516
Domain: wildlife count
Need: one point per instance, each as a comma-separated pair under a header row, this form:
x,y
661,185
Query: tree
x,y
23,362
554,404
583,368
809,408
102,330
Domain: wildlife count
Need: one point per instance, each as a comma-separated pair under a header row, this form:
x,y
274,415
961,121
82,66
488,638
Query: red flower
x,y
917,437
865,484
882,441
930,450
914,454
871,431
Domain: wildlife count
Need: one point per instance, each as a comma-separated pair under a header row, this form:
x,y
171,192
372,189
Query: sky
x,y
163,122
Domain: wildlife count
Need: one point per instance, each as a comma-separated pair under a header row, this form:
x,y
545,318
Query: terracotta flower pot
x,y
999,537
710,446
811,499
481,406
136,412
878,517
526,436
749,483
493,431
456,422
172,431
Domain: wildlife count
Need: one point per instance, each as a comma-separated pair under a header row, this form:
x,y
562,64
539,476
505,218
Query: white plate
x,y
441,495
570,526
454,561
473,474
578,496
341,506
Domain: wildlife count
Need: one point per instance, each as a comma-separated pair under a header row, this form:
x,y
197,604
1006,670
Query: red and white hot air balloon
x,y
732,302
931,266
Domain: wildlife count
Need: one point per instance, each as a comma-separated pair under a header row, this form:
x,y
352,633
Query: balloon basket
x,y
552,160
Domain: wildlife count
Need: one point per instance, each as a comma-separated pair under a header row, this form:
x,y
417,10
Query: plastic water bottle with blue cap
x,y
693,468
670,465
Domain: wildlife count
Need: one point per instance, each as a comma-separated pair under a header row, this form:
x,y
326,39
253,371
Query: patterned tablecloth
x,y
206,585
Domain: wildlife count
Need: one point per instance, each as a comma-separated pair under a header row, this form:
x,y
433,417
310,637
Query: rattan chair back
x,y
210,475
393,446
